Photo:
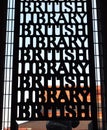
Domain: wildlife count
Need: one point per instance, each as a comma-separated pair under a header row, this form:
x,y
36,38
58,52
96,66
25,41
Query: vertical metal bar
x,y
104,32
103,12
3,13
14,125
92,65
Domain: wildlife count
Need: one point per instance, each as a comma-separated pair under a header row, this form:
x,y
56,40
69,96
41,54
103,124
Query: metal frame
x,y
92,71
3,14
94,114
102,4
104,38
3,11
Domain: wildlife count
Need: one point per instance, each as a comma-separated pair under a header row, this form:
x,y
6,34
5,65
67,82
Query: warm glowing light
x,y
99,114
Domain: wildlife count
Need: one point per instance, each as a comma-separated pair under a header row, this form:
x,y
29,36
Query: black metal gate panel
x,y
53,74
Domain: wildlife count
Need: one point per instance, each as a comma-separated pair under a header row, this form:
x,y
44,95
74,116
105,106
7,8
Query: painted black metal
x,y
14,125
3,12
103,16
24,57
92,71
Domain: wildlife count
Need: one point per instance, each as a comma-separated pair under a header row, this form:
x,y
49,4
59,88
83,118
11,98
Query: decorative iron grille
x,y
75,80
54,44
